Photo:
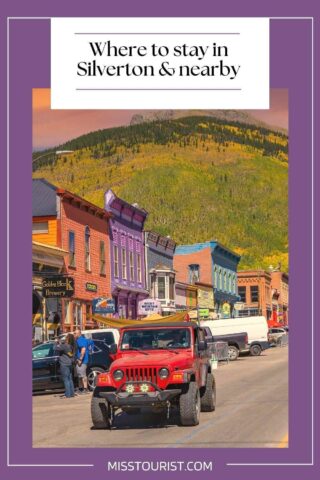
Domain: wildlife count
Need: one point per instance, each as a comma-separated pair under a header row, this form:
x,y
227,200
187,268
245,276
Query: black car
x,y
46,368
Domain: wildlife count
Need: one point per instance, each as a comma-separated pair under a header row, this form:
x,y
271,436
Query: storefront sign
x,y
148,306
91,287
103,305
205,298
58,287
203,312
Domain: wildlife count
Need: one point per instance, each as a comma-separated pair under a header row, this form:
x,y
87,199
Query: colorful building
x,y
160,276
127,254
255,292
65,220
213,264
280,296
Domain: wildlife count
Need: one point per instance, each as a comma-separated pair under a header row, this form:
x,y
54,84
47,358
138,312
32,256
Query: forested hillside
x,y
198,177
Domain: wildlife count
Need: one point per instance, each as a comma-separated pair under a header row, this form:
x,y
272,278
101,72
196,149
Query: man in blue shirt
x,y
82,360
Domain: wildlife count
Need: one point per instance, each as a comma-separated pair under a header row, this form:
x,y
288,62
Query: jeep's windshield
x,y
156,339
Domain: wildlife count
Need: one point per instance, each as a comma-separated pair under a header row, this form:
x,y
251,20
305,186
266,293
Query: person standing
x,y
67,351
82,360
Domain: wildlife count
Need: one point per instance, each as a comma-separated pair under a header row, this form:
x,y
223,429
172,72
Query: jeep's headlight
x,y
118,375
163,373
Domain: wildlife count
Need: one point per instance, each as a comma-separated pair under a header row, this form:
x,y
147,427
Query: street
x,y
252,411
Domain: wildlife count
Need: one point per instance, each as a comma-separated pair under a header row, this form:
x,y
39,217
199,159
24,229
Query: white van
x,y
255,327
107,335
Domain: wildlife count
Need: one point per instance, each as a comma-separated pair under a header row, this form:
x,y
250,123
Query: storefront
x,y
47,262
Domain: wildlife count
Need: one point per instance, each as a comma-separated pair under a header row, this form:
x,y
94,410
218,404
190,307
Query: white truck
x,y
255,327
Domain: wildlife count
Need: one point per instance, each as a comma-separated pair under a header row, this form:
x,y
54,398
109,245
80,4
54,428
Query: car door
x,y
45,363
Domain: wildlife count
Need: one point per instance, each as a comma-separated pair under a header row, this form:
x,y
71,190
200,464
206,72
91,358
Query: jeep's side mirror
x,y
202,345
113,348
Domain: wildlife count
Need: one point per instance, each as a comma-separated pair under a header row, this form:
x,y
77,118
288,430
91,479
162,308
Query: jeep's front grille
x,y
141,374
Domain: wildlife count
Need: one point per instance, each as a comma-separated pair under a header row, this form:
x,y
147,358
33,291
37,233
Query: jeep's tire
x,y
189,404
99,412
233,353
255,350
208,395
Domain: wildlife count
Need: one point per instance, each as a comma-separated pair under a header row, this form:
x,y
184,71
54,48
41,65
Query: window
x,y
87,248
102,258
224,281
139,267
171,288
138,246
40,227
220,279
72,249
161,288
116,260
194,273
124,263
215,278
43,351
115,235
254,293
242,294
131,266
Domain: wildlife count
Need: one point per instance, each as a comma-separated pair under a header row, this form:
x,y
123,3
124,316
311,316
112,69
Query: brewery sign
x,y
57,287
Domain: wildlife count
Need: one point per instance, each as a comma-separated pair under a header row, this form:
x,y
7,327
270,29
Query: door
x,y
45,367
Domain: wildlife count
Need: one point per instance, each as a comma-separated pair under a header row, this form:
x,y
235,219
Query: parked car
x,y
237,342
157,366
255,327
275,333
46,368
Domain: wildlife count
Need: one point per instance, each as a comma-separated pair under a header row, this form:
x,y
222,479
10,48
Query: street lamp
x,y
58,152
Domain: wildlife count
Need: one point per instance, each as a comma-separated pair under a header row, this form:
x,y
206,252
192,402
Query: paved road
x,y
252,411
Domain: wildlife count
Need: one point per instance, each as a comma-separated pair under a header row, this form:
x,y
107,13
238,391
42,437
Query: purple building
x,y
126,255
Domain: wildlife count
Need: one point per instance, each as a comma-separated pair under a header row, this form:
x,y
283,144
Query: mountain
x,y
240,116
198,177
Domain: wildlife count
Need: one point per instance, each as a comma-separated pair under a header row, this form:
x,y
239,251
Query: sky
x,y
54,127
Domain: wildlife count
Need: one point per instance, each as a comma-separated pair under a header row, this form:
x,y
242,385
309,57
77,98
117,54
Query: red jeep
x,y
157,365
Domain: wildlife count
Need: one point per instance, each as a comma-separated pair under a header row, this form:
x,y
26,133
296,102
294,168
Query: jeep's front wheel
x,y
208,395
99,412
189,404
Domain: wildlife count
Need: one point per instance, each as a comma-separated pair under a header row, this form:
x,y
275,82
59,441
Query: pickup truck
x,y
237,342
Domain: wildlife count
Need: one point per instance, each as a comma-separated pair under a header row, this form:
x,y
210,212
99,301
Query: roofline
x,y
66,194
203,284
129,205
187,285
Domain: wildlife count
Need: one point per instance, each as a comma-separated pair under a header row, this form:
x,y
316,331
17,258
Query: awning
x,y
125,322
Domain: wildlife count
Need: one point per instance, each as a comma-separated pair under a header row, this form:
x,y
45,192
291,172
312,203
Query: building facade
x,y
64,220
160,276
213,264
280,296
255,292
47,260
127,255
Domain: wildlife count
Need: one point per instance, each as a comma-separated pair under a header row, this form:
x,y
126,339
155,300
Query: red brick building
x,y
254,289
280,296
265,293
80,228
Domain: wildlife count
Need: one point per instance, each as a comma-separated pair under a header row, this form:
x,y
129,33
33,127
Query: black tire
x,y
208,395
92,374
99,412
233,353
189,404
255,350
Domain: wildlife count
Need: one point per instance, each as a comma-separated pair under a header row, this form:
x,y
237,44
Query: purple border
x,y
30,67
